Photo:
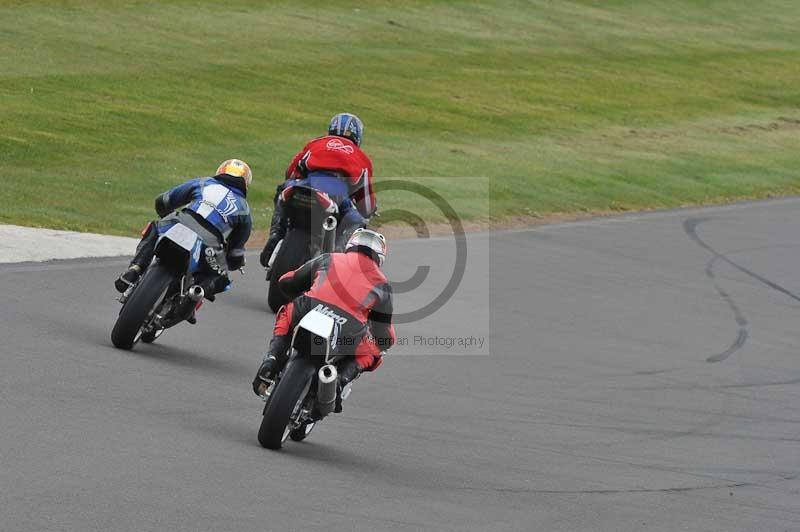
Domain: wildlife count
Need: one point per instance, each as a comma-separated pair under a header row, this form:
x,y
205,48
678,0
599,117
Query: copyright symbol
x,y
422,195
317,340
415,281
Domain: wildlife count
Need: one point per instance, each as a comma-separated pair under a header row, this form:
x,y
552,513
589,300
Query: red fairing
x,y
324,200
340,155
287,193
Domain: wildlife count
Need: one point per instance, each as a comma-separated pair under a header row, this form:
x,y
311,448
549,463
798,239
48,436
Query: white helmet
x,y
372,240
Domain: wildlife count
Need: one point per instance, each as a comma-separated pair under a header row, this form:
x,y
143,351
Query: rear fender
x,y
315,333
179,249
307,207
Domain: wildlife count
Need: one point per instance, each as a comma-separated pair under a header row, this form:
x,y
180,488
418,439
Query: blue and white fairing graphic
x,y
185,238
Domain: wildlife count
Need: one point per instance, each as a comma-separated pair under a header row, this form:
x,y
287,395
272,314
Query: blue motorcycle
x,y
168,292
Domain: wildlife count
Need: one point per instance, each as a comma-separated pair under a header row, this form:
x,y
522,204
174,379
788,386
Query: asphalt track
x,y
642,374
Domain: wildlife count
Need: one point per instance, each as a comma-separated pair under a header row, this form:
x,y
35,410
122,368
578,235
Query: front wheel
x,y
285,402
141,305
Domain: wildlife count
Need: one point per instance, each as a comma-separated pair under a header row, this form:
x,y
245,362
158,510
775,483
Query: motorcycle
x,y
167,293
305,391
311,218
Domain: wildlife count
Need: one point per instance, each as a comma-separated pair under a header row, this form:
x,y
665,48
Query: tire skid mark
x,y
727,390
600,491
741,321
762,384
768,484
690,227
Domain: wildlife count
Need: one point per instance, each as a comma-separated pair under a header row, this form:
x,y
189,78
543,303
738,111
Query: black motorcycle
x,y
311,218
305,392
167,293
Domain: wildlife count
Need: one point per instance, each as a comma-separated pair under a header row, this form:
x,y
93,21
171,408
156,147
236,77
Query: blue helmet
x,y
348,126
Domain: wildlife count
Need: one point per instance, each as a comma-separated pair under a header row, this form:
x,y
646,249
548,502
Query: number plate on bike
x,y
183,236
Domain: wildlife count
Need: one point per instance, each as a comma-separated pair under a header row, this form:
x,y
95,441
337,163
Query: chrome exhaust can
x,y
329,234
196,293
326,388
330,223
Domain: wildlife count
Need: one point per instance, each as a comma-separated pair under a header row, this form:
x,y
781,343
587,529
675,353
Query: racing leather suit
x,y
216,208
338,167
351,288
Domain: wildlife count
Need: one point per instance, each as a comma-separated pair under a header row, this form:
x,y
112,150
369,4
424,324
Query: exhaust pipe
x,y
196,293
329,234
326,388
330,223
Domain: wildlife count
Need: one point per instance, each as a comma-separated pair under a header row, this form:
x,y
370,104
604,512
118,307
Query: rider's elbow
x,y
162,205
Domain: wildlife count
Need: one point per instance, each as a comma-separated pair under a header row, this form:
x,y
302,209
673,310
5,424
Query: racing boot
x,y
141,260
273,362
348,372
192,319
277,230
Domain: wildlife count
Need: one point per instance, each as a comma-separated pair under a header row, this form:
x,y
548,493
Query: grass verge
x,y
559,107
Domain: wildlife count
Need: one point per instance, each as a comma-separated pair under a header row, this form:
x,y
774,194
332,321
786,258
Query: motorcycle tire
x,y
139,307
285,399
292,254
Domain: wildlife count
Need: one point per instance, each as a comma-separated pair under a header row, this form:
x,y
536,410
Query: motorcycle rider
x,y
216,208
352,287
336,165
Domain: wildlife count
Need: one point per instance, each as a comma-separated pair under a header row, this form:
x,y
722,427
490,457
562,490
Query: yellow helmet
x,y
236,168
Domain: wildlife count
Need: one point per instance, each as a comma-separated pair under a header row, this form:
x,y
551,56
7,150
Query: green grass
x,y
542,106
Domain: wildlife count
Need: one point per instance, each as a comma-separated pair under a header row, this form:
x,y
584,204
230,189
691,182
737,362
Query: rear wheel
x,y
140,306
284,402
292,254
